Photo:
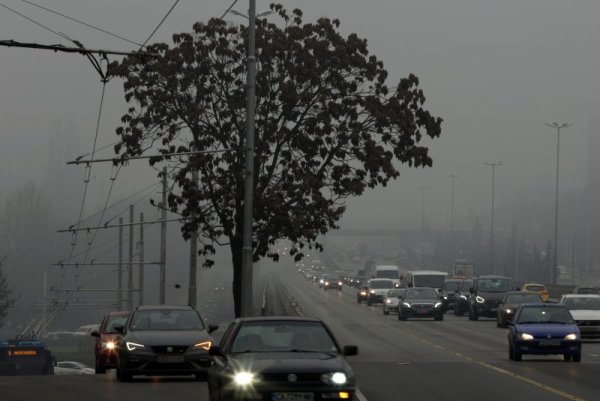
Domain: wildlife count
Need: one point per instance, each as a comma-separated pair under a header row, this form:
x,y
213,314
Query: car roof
x,y
520,293
164,307
118,313
491,276
581,295
543,305
278,319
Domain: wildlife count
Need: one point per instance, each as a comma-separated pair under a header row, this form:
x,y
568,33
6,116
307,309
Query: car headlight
x,y
406,304
445,297
363,293
372,291
526,336
508,310
479,299
339,283
571,337
205,345
463,297
437,305
110,345
335,378
134,346
327,283
243,378
388,301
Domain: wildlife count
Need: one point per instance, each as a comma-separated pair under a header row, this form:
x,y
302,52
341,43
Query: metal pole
x,y
163,238
554,268
130,263
247,307
141,262
493,166
120,279
193,254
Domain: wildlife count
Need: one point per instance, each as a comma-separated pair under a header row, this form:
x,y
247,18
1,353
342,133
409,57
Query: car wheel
x,y
577,357
471,314
475,315
124,377
567,357
401,316
357,300
200,376
99,369
369,302
385,311
439,318
510,352
517,355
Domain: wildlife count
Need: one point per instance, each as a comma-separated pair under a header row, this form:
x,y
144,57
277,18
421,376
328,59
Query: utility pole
x,y
163,237
247,307
554,268
193,252
130,262
141,261
120,280
493,166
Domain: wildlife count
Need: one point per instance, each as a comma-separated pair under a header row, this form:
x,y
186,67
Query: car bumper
x,y
107,359
535,347
410,312
375,299
273,393
148,364
486,311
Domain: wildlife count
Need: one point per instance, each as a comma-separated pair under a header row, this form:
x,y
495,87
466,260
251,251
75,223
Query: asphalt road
x,y
455,359
422,360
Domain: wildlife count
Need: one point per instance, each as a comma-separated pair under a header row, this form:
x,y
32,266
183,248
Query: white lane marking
x,y
360,395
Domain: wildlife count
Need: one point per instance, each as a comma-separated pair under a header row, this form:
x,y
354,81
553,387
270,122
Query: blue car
x,y
544,329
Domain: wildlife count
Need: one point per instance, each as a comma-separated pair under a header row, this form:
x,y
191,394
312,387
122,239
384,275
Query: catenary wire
x,y
34,21
160,23
81,22
229,9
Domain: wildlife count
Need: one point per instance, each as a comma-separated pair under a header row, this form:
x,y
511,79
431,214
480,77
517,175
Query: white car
x,y
378,287
72,368
391,300
585,309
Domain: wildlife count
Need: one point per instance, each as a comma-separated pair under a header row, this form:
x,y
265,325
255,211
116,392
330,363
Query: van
x,y
388,271
424,278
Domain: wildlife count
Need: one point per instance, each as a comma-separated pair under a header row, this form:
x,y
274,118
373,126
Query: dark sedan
x,y
280,358
420,302
511,301
164,340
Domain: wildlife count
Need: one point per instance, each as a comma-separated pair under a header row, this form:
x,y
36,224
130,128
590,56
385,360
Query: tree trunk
x,y
236,256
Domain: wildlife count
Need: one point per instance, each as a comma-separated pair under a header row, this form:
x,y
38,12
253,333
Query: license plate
x,y
292,397
549,343
170,359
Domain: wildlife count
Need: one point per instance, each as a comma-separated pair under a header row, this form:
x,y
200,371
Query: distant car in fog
x,y
486,294
461,302
511,301
391,300
378,287
449,292
72,368
536,288
585,309
586,290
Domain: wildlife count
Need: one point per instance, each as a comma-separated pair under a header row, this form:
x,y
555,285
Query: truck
x,y
388,271
463,269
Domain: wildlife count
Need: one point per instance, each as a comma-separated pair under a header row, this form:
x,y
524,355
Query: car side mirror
x,y
119,328
212,327
350,350
95,334
215,350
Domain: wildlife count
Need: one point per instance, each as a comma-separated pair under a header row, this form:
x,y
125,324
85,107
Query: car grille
x,y
491,303
422,307
588,322
169,349
284,377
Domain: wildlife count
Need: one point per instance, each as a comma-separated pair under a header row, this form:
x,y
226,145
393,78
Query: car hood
x,y
422,301
289,362
543,330
585,314
491,296
167,337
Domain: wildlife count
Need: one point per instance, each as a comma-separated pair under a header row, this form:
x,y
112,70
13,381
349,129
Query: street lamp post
x,y
493,166
453,177
554,268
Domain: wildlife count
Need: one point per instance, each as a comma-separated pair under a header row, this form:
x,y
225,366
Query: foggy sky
x,y
494,71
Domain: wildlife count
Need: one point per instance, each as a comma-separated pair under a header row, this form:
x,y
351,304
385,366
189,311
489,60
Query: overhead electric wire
x,y
99,149
81,22
160,24
229,9
34,21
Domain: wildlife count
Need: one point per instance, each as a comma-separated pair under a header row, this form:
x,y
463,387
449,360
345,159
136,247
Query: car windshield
x,y
283,336
522,299
535,288
166,319
420,293
379,284
394,293
544,315
451,286
586,290
429,280
466,285
114,321
494,285
393,274
575,303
